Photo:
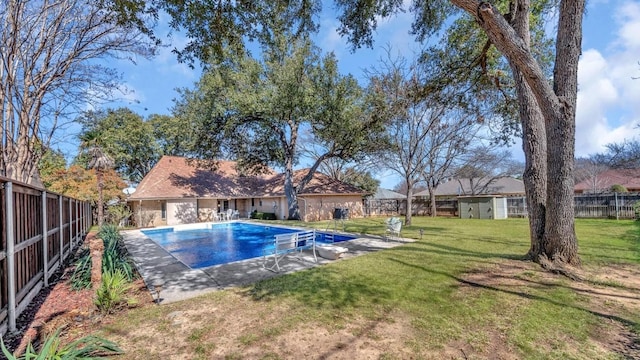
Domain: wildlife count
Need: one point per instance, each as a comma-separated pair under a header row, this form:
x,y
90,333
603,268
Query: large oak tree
x,y
547,109
253,110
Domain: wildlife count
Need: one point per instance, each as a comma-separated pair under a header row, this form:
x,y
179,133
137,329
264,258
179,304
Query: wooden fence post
x,y
45,239
60,228
11,267
70,227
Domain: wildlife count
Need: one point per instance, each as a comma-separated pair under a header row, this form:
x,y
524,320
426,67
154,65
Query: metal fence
x,y
39,231
605,205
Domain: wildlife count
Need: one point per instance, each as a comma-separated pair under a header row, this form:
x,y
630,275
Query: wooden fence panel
x,y
39,230
66,227
28,238
53,233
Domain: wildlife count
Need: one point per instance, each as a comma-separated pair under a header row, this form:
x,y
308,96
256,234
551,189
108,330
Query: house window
x,y
163,210
253,202
260,202
225,205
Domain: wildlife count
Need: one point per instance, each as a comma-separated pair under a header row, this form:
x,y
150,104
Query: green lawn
x,y
433,285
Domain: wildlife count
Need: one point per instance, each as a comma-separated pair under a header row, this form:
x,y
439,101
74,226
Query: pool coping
x,y
179,282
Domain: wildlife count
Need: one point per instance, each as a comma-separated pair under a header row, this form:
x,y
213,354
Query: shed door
x,y
474,208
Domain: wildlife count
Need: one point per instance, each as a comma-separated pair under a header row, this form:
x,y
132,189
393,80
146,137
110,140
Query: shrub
x,y
88,347
636,210
108,232
263,216
618,188
81,277
111,292
115,256
117,213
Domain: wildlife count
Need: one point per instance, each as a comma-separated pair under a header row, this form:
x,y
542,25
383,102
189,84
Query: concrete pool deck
x,y
180,282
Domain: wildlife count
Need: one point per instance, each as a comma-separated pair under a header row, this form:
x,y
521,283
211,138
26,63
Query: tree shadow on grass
x,y
454,251
626,322
320,288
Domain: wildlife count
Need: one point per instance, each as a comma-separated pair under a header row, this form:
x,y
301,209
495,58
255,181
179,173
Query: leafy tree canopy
x,y
125,137
254,110
80,183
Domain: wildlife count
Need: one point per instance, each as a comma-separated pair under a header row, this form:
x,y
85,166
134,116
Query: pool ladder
x,y
329,234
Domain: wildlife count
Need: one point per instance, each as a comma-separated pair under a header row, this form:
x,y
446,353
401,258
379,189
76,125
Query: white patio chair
x,y
285,244
394,226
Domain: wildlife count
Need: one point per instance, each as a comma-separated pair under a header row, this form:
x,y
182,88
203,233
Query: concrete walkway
x,y
180,282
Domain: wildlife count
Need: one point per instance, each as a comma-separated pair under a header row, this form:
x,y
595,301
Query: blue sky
x,y
608,99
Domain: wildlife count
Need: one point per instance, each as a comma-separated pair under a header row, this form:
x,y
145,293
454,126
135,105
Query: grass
x,y
421,288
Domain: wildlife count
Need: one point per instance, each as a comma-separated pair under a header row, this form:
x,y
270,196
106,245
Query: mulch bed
x,y
60,307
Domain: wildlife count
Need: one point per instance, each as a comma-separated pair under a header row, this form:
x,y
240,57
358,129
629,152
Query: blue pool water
x,y
223,243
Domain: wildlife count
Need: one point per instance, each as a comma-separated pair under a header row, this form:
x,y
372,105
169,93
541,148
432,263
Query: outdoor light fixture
x,y
157,288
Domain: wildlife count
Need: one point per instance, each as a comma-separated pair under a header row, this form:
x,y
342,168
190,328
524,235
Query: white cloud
x,y
629,16
608,108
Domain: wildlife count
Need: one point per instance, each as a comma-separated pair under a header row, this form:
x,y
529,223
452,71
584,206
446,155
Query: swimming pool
x,y
215,244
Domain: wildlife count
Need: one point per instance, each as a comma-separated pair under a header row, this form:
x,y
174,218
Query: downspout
x,y
305,208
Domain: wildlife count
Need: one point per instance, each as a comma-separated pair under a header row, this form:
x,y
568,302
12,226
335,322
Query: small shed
x,y
482,207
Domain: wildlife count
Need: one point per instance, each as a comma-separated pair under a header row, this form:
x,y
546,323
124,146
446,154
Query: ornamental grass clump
x,y
110,294
88,347
115,256
81,277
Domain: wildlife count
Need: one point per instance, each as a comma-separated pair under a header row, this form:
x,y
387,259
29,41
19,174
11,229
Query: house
x,y
603,181
452,189
178,191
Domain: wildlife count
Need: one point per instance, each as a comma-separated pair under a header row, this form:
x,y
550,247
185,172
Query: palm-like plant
x,y
99,161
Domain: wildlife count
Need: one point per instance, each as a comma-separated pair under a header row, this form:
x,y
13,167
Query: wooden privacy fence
x,y
39,231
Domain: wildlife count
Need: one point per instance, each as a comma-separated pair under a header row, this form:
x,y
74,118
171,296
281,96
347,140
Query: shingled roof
x,y
629,178
500,186
175,177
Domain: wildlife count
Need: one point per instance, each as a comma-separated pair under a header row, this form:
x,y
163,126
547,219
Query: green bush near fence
x,y
81,278
115,256
636,210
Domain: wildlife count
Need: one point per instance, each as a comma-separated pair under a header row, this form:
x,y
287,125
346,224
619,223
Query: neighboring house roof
x,y
319,184
176,177
461,187
629,178
387,194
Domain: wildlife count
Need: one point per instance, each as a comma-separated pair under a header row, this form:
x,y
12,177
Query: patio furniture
x,y
394,226
288,244
331,252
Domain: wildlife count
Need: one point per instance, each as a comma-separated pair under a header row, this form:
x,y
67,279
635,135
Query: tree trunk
x,y
535,172
407,216
100,200
560,243
432,201
533,142
290,192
